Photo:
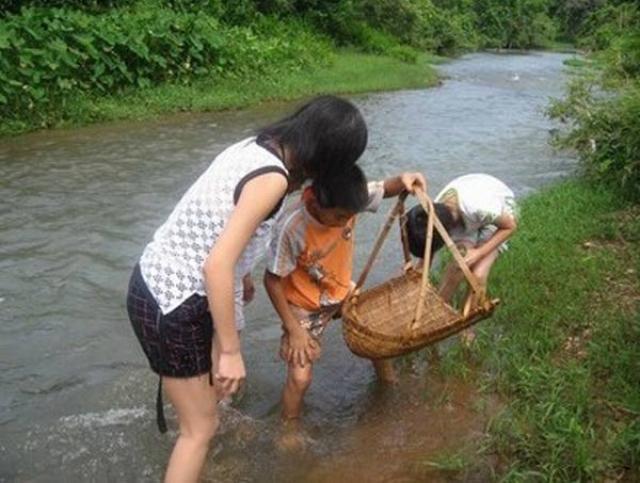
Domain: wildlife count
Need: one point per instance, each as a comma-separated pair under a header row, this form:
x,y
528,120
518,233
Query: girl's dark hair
x,y
347,191
325,135
417,220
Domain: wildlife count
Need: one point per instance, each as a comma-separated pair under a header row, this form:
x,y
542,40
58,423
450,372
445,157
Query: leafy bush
x,y
448,32
603,105
606,134
607,24
50,55
13,6
515,23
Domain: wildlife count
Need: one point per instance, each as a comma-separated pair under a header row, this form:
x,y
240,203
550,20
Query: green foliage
x,y
14,6
515,23
450,31
606,134
603,105
348,72
418,23
48,56
608,24
571,15
53,50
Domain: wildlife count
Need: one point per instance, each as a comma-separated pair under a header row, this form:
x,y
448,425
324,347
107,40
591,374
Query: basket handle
x,y
427,204
404,236
475,284
395,211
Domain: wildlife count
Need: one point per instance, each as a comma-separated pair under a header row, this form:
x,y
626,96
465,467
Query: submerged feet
x,y
292,437
467,337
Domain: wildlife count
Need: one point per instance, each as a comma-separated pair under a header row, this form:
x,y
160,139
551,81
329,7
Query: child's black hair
x,y
325,135
417,220
347,191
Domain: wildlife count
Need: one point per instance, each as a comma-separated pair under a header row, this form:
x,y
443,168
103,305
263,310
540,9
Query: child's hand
x,y
471,257
411,181
248,289
302,348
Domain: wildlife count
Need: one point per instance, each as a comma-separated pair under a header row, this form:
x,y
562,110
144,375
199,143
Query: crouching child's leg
x,y
385,371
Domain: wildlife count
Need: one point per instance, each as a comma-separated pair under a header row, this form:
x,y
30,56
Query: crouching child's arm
x,y
301,345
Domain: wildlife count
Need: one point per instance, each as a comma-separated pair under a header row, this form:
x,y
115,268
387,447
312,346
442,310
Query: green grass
x,y
577,62
563,349
349,73
563,47
454,462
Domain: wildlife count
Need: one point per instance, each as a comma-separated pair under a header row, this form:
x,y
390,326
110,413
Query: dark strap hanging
x,y
160,419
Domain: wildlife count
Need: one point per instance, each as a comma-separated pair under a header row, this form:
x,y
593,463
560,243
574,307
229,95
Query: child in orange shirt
x,y
309,269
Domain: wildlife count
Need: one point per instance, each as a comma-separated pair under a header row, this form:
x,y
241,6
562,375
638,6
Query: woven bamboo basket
x,y
406,313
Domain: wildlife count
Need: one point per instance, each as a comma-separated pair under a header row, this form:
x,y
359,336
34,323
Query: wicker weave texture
x,y
378,322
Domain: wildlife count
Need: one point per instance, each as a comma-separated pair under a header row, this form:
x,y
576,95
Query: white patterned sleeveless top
x,y
172,263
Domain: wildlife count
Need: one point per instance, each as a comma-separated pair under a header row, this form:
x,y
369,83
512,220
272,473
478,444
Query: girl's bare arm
x,y
259,197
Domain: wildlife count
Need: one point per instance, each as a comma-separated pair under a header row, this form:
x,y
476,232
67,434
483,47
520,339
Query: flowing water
x,y
77,207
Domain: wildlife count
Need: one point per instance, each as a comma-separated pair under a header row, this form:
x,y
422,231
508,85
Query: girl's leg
x,y
195,403
385,371
298,381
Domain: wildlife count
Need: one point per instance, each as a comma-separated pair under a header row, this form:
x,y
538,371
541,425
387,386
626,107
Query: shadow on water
x,y
78,206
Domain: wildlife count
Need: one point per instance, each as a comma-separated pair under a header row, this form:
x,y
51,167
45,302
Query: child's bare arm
x,y
258,197
300,343
507,225
273,285
405,182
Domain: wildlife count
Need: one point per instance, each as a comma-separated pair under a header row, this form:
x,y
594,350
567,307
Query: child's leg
x,y
450,281
452,276
481,270
483,267
385,371
194,401
298,381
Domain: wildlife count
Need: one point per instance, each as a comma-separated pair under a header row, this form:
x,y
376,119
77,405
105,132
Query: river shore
x,y
348,72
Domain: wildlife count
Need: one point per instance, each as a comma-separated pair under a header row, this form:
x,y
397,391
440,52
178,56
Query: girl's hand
x,y
248,288
411,181
230,372
302,348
